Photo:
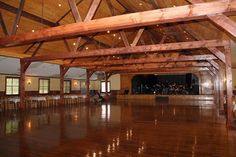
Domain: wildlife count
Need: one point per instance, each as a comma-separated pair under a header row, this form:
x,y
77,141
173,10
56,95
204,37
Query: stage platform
x,y
169,97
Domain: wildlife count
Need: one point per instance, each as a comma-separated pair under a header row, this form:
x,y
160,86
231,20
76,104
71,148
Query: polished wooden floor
x,y
124,129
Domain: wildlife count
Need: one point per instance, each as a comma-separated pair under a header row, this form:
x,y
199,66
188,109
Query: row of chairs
x,y
12,103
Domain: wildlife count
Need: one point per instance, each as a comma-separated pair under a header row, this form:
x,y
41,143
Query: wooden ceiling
x,y
41,14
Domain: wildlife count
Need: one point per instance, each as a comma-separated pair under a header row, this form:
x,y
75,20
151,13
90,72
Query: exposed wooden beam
x,y
142,60
165,71
37,49
77,17
111,8
151,66
92,10
27,50
221,20
67,45
224,22
74,10
213,63
167,15
133,50
4,28
18,16
137,37
124,38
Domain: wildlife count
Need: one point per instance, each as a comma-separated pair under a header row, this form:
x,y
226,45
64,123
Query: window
x,y
103,86
12,86
67,85
43,86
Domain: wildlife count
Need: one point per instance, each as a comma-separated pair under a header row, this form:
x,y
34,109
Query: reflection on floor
x,y
126,129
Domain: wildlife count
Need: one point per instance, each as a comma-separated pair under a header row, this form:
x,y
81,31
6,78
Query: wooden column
x,y
106,88
217,89
63,71
213,80
221,88
23,68
229,85
107,76
88,75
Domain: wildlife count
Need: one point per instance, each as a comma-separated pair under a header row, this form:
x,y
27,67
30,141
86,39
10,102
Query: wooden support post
x,y
215,70
213,80
217,90
221,88
107,76
87,86
23,68
229,85
63,71
106,87
61,85
88,75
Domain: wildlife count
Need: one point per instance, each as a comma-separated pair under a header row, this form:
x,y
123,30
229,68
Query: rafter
x,y
134,50
30,47
37,49
124,38
74,10
4,28
18,16
92,10
167,15
137,37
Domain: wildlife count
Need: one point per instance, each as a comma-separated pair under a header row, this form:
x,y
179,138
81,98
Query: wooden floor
x,y
124,129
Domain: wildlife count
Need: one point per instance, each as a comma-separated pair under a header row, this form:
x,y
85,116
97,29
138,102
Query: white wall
x,y
31,83
115,82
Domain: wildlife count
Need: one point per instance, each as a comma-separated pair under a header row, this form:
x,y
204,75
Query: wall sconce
x,y
75,83
28,81
224,79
